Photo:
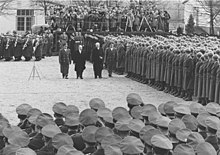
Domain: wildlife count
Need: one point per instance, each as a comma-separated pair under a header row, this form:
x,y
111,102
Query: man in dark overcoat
x,y
110,58
97,59
80,61
64,60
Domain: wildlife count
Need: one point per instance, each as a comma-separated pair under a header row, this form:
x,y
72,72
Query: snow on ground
x,y
15,88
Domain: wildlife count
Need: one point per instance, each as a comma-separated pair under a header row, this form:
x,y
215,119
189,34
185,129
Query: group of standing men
x,y
15,46
182,66
79,56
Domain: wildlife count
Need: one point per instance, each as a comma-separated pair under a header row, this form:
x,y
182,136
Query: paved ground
x,y
15,88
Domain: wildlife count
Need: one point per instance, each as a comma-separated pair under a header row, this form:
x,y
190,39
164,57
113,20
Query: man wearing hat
x,y
213,124
38,45
213,74
64,60
48,131
97,59
198,64
110,58
217,86
161,145
88,136
188,72
17,48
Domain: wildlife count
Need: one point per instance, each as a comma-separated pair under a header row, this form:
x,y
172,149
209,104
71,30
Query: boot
x,y
178,92
189,96
182,94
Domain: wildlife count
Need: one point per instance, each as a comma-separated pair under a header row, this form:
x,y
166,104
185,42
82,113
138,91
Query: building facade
x,y
20,16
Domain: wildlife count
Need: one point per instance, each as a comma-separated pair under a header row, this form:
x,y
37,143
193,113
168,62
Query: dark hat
x,y
154,116
212,108
72,121
68,150
88,134
196,108
194,139
50,130
33,112
108,120
96,103
205,148
104,112
43,120
61,139
163,122
182,109
190,121
122,124
183,149
134,99
144,130
102,132
9,131
162,142
111,140
201,118
71,109
136,125
148,109
88,117
175,125
23,109
59,108
136,112
10,149
182,134
213,122
112,150
20,138
132,145
149,134
169,107
161,109
25,151
119,113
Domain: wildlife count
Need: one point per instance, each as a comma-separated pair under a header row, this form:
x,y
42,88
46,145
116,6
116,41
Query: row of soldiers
x,y
15,46
187,128
182,66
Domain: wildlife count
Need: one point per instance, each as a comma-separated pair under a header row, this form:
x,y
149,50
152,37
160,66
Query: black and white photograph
x,y
109,77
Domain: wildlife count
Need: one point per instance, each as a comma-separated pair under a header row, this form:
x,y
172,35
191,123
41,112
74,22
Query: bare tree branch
x,y
4,6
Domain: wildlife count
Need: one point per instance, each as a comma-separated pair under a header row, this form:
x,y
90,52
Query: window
x,y
25,19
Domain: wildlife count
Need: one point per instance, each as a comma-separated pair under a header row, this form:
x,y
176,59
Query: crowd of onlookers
x,y
103,18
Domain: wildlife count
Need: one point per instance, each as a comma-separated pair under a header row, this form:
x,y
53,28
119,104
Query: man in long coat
x,y
80,61
64,60
213,74
18,48
110,58
97,59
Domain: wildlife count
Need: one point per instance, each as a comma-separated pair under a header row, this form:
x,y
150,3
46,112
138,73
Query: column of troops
x,y
14,46
185,67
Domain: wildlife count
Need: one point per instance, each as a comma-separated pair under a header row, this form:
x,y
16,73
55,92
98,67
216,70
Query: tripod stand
x,y
33,72
144,18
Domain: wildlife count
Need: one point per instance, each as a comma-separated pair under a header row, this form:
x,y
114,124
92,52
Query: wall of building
x,y
9,20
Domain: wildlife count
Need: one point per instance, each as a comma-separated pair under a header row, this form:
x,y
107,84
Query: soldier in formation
x,y
140,129
186,67
14,46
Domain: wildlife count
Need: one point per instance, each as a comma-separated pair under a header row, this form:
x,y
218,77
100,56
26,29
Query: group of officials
x,y
182,66
79,57
15,46
140,129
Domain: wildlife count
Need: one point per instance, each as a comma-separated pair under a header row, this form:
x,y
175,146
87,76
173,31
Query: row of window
x,y
25,19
